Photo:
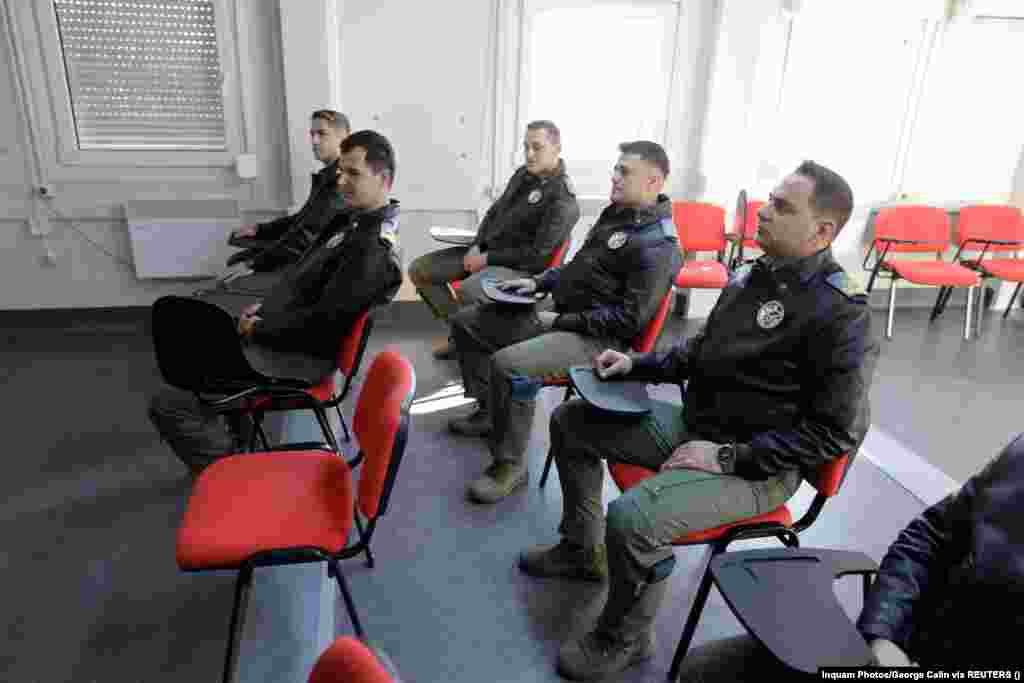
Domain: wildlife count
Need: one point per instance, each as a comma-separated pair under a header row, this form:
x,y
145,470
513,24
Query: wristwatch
x,y
727,457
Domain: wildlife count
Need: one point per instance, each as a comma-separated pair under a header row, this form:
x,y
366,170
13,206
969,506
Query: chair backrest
x,y
749,227
353,346
348,660
381,426
182,329
700,226
827,481
830,476
929,226
990,222
647,339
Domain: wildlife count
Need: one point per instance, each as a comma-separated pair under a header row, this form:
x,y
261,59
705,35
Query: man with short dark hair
x,y
604,297
352,265
776,386
272,246
518,236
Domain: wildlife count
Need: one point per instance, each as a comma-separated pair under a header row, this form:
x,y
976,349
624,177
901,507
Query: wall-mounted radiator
x,y
181,239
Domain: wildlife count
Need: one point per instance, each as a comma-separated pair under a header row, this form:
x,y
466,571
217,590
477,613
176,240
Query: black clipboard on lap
x,y
620,396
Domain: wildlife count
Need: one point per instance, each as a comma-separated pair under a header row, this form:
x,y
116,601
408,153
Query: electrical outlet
x,y
46,191
48,257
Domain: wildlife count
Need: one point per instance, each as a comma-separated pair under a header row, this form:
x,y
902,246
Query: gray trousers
x,y
642,522
432,272
505,352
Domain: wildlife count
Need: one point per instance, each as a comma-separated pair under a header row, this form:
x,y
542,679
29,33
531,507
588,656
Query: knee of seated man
x,y
625,520
418,272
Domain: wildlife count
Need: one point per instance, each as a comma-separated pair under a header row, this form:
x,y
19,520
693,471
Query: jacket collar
x,y
660,210
803,269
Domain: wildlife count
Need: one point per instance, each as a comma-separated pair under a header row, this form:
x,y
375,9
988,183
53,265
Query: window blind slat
x,y
143,74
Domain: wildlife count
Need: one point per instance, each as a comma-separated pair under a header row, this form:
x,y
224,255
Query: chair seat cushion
x,y
702,275
628,476
1011,269
936,273
254,502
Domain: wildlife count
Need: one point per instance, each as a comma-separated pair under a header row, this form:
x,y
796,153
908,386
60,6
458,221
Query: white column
x,y
310,40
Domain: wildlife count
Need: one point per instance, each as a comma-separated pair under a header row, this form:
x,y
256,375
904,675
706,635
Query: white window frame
x,y
40,70
683,107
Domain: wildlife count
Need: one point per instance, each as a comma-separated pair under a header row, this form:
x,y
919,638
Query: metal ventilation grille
x,y
143,75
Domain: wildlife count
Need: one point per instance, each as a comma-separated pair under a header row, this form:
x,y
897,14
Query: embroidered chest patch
x,y
770,314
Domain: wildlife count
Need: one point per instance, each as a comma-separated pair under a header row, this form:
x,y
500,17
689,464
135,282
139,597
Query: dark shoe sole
x,y
578,575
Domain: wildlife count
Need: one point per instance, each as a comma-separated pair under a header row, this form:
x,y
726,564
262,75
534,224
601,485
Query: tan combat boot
x,y
623,635
498,481
566,560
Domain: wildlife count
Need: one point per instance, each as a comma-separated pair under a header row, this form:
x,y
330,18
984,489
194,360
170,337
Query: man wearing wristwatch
x,y
776,386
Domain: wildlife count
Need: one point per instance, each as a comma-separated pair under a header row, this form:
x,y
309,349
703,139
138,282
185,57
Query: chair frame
x,y
303,555
879,268
563,381
739,531
978,266
333,402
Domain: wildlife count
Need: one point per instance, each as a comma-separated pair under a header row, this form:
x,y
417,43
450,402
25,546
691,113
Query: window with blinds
x,y
143,75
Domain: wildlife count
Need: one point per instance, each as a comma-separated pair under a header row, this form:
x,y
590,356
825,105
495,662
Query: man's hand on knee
x,y
474,261
694,455
610,363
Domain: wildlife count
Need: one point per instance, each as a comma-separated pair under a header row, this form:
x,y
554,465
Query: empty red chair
x,y
289,506
920,230
777,523
989,230
348,660
701,228
744,228
644,343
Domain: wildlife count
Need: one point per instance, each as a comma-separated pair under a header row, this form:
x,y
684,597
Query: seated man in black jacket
x,y
949,592
351,266
518,236
776,386
604,297
274,245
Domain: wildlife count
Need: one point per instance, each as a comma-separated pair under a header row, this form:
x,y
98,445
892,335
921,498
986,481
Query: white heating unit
x,y
181,239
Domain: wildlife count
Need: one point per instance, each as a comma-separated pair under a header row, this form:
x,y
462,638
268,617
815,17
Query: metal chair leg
x,y
1013,297
940,304
547,468
242,586
325,427
967,313
362,537
691,621
892,305
348,599
341,419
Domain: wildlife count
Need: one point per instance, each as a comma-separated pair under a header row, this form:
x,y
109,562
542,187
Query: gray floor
x,y
91,501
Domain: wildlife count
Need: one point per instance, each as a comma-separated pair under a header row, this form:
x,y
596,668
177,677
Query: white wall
x,y
423,75
83,276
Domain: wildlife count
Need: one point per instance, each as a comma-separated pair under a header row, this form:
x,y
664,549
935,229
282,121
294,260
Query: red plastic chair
x,y
744,228
556,260
289,506
922,230
349,359
348,660
700,227
644,343
777,523
989,229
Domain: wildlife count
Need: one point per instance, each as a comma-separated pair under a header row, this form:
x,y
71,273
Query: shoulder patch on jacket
x,y
740,275
846,284
569,187
668,228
